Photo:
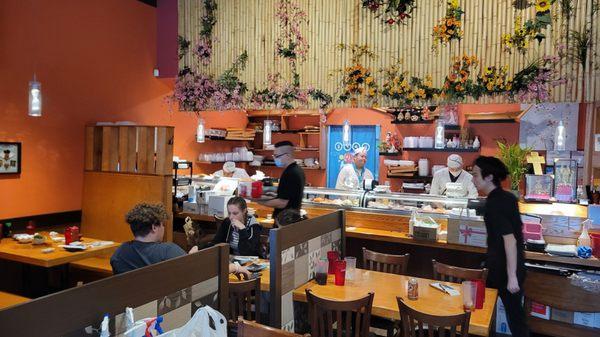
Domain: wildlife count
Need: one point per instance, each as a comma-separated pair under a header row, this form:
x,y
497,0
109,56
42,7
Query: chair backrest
x,y
448,273
252,329
387,263
414,322
353,318
242,295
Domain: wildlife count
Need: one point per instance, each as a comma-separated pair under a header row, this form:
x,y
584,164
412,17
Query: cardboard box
x,y
589,319
540,310
561,316
191,207
468,232
217,205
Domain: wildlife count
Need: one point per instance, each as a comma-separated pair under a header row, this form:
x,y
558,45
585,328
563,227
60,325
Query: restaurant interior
x,y
334,128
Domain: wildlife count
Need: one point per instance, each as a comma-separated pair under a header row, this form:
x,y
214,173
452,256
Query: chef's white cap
x,y
229,167
455,161
359,150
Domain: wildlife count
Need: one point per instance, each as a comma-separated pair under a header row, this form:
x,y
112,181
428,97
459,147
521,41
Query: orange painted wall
x,y
95,61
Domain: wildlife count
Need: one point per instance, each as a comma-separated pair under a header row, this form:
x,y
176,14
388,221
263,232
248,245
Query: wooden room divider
x,y
125,165
294,252
173,289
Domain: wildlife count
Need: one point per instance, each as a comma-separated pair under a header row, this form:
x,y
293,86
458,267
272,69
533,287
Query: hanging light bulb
x,y
346,134
200,132
560,137
440,135
267,132
35,98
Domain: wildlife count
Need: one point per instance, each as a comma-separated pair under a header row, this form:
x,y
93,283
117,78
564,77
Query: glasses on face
x,y
277,156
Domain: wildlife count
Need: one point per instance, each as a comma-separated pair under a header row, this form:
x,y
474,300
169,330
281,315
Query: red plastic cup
x,y
332,256
479,293
595,238
340,272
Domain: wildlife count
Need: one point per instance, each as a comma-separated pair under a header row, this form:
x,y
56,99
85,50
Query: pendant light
x,y
559,137
267,132
200,132
440,136
35,98
346,134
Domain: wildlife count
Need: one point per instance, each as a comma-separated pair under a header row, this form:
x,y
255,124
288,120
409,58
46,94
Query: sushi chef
x,y
453,180
230,171
352,175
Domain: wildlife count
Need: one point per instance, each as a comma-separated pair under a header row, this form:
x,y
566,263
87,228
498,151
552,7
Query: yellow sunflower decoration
x,y
542,6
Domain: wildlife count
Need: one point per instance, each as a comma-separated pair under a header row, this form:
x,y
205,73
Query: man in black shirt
x,y
505,252
291,183
146,222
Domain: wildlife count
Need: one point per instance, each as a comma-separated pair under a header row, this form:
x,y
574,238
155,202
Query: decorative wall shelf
x,y
440,150
430,121
389,154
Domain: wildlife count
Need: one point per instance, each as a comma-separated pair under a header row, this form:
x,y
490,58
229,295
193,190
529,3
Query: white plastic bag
x,y
199,326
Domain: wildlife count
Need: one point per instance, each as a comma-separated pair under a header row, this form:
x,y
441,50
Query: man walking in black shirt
x,y
505,252
291,183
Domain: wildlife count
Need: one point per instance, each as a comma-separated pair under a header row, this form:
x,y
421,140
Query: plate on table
x,y
73,248
244,259
253,268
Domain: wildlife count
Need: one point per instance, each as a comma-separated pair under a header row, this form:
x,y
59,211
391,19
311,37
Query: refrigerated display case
x,y
388,202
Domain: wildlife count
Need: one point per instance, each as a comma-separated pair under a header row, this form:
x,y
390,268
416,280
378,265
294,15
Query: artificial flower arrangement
x,y
198,92
203,49
493,80
400,87
449,27
457,84
391,12
532,29
292,47
357,80
535,82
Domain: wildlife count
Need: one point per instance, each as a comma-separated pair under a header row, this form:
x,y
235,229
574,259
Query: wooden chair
x,y
414,322
387,263
242,295
448,273
542,288
352,318
252,329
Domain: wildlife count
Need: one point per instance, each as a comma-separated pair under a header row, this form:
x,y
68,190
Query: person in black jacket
x,y
240,230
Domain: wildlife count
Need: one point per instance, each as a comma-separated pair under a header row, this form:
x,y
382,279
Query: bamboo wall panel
x,y
250,25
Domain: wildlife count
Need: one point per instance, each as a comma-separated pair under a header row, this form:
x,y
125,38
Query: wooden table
x,y
265,275
387,286
32,254
8,300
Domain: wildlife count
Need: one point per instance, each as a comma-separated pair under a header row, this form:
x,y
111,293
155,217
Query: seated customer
x,y
146,222
240,230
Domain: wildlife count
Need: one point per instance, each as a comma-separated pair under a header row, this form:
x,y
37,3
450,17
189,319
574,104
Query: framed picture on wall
x,y
10,158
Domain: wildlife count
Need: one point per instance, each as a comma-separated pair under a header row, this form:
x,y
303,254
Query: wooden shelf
x,y
407,123
219,162
303,167
440,150
294,132
389,154
281,112
228,140
304,149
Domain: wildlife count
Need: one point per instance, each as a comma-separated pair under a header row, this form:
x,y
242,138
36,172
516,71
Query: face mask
x,y
278,162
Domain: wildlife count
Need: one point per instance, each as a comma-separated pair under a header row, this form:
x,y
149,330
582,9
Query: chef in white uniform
x,y
453,178
352,175
230,171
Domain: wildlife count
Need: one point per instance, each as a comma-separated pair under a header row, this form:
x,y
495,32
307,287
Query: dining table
x,y
33,254
386,287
